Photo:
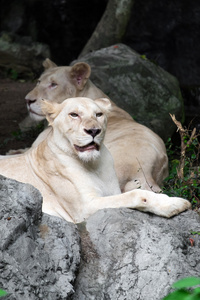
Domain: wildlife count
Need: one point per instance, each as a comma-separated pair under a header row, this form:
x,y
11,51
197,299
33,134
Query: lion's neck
x,y
91,91
59,149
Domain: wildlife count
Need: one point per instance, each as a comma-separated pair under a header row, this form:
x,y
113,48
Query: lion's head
x,y
56,84
79,125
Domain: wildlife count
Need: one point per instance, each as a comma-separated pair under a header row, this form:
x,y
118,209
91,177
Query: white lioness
x,y
139,154
74,170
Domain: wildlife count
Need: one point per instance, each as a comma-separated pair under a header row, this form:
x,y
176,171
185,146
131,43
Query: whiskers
x,y
83,140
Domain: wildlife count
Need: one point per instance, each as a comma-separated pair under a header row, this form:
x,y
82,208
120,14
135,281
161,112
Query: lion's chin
x,y
89,156
35,116
88,153
88,147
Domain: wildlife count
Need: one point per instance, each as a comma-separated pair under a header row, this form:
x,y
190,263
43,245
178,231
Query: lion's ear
x,y
79,74
51,110
47,64
103,103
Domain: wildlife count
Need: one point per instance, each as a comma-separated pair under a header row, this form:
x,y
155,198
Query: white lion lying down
x,y
74,170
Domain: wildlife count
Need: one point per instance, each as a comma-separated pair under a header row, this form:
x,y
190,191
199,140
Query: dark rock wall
x,y
167,32
65,25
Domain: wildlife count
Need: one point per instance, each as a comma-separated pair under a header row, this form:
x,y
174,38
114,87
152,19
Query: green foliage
x,y
195,232
143,56
18,75
2,293
187,187
13,74
185,289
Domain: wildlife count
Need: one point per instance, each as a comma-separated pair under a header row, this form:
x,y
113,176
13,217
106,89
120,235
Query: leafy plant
x,y
195,232
13,74
185,289
143,56
2,293
184,169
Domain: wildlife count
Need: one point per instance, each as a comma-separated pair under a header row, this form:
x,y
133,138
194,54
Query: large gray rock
x,y
126,254
132,255
138,86
39,254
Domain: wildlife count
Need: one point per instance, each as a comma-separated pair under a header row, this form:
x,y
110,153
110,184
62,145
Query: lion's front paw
x,y
14,152
174,206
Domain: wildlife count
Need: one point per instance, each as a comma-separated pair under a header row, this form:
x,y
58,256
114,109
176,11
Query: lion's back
x,y
17,167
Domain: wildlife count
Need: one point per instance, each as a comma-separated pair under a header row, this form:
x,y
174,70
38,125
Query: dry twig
x,y
183,132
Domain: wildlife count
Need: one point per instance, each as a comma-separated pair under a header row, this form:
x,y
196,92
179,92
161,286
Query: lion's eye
x,y
99,114
53,85
73,115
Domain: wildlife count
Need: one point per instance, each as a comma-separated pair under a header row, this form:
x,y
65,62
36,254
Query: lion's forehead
x,y
53,74
85,109
81,106
85,112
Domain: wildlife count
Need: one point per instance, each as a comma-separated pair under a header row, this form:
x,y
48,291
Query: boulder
x,y
138,86
20,56
39,254
123,254
133,255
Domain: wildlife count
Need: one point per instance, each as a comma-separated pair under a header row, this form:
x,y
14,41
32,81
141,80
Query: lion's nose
x,y
93,131
29,101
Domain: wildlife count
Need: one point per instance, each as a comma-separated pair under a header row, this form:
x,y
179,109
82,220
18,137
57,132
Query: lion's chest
x,y
86,181
104,186
102,180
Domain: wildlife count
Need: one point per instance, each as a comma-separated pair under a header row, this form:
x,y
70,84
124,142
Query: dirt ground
x,y
12,112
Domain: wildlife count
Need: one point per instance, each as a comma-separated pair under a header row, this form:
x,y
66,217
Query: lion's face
x,y
79,125
56,84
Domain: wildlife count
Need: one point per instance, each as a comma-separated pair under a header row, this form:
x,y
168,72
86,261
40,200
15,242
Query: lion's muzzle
x,y
92,131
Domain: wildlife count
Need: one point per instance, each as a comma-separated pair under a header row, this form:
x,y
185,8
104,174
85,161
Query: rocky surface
x,y
136,255
125,254
138,86
39,254
20,56
73,23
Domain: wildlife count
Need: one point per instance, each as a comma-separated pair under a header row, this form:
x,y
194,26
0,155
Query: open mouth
x,y
91,146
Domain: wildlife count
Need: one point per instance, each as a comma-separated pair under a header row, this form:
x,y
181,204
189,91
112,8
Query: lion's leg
x,y
145,184
143,200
